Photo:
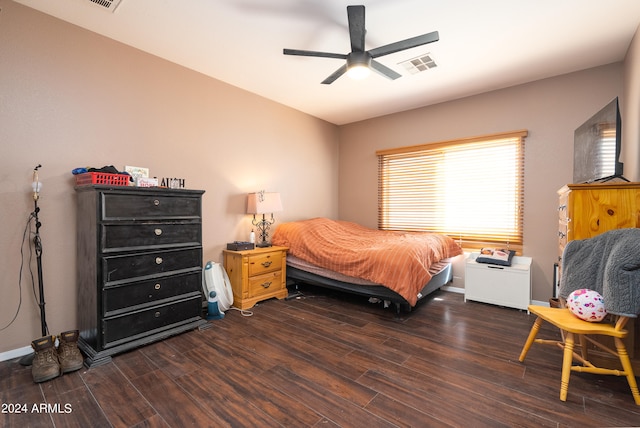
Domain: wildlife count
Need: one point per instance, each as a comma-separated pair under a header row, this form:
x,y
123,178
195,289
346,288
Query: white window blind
x,y
470,189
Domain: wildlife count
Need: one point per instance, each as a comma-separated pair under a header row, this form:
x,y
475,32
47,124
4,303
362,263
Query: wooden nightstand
x,y
256,275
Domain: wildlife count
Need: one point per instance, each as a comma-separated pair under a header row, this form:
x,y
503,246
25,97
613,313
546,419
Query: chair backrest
x,y
609,264
621,322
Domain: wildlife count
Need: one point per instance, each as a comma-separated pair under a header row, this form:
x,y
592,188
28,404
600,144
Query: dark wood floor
x,y
329,361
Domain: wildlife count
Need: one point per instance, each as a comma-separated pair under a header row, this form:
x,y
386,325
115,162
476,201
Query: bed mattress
x,y
300,264
399,260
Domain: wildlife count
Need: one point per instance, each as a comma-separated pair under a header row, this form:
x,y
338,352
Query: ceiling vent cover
x,y
109,5
419,64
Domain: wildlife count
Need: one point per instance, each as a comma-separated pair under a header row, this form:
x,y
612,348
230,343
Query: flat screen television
x,y
596,146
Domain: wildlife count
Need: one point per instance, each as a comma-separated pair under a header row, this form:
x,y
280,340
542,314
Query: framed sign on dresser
x,y
139,267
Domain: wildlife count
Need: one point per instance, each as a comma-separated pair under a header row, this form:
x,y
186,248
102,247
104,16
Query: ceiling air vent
x,y
419,64
109,5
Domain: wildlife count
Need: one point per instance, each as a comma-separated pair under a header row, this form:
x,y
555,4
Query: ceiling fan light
x,y
358,65
358,72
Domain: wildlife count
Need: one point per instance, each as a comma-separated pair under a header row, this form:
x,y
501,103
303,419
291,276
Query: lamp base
x,y
263,245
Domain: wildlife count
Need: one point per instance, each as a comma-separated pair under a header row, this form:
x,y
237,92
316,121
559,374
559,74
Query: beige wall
x,y
630,111
71,98
549,109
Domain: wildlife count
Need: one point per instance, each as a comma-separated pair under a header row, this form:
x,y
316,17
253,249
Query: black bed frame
x,y
379,291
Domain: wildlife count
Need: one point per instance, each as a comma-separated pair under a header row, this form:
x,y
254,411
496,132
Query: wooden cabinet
x,y
587,210
256,275
139,267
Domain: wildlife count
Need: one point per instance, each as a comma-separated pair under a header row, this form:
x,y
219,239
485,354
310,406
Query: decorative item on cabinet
x,y
263,203
587,210
139,269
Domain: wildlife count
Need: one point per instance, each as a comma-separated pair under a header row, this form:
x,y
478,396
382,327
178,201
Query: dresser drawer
x,y
127,327
124,206
128,268
124,297
265,284
263,263
120,237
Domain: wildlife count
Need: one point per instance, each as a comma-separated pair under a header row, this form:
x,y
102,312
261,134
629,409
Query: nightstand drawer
x,y
125,297
141,207
265,284
121,237
263,263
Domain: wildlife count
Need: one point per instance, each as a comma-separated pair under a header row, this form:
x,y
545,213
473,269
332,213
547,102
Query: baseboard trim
x,y
452,289
540,303
15,353
459,290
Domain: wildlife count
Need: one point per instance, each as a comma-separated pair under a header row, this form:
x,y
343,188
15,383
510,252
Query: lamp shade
x,y
263,203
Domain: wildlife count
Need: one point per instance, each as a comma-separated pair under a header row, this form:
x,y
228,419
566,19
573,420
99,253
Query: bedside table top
x,y
258,250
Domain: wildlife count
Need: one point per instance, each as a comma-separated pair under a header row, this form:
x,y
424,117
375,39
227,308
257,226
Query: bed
x,y
396,267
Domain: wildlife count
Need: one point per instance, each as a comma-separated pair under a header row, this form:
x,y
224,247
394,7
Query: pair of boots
x,y
50,362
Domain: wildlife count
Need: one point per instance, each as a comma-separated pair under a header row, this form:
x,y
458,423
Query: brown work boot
x,y
68,352
45,364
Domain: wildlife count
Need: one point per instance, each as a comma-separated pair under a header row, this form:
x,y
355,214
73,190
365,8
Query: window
x,y
470,189
606,158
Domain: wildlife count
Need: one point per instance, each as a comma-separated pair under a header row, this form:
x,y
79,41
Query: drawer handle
x,y
158,260
266,284
495,267
157,286
267,263
157,314
156,202
158,231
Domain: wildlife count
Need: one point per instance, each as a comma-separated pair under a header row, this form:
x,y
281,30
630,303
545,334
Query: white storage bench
x,y
508,286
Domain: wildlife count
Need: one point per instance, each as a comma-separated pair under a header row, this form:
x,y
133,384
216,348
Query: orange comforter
x,y
397,260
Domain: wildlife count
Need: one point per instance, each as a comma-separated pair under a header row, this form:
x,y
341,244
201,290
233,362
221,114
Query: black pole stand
x,y
28,359
297,294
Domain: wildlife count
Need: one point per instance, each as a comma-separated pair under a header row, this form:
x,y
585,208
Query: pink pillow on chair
x,y
588,305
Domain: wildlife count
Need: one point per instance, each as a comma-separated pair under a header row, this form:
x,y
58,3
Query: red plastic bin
x,y
89,178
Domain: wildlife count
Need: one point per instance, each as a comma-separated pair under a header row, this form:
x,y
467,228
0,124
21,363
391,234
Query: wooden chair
x,y
573,328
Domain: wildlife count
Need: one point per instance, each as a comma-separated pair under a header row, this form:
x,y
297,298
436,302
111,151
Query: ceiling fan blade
x,y
357,29
313,53
332,78
384,70
405,44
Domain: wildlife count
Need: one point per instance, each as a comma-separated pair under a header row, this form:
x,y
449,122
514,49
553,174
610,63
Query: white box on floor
x,y
508,286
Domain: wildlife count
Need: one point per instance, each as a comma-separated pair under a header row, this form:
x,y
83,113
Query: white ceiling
x,y
484,44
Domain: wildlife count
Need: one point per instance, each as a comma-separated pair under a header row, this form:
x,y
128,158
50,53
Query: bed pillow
x,y
495,256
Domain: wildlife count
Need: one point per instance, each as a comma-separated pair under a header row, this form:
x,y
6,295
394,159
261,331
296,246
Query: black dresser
x,y
139,267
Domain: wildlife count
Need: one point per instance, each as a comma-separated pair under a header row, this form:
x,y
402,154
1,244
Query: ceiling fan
x,y
359,60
